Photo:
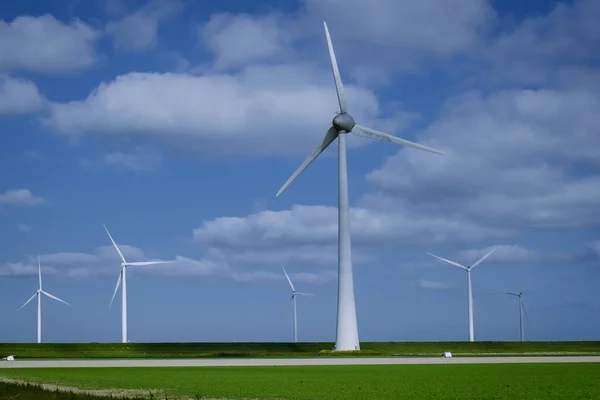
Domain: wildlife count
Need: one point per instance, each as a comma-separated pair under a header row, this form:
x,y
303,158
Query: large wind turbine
x,y
122,277
468,269
343,123
39,293
293,299
521,310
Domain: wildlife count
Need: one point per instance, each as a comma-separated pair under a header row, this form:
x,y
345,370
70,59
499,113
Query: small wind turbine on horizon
x,y
521,310
39,293
293,300
122,278
470,291
342,124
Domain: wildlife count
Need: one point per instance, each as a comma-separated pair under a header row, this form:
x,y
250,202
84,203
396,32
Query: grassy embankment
x,y
207,350
376,382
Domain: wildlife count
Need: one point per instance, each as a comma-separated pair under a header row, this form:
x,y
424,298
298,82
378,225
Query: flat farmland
x,y
373,382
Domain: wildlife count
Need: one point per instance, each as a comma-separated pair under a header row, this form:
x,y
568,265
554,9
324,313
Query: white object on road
x,y
447,354
9,358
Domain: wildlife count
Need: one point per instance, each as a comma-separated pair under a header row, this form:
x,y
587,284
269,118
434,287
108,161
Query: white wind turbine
x,y
122,278
39,293
343,123
293,299
521,310
468,269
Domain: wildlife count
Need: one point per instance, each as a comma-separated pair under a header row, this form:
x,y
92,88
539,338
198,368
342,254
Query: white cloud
x,y
441,27
263,110
394,34
44,44
238,39
540,46
18,96
515,159
104,261
511,161
24,228
317,226
20,197
139,160
24,269
138,31
435,285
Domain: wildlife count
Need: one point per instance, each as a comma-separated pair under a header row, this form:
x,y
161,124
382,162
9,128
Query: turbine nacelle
x,y
343,123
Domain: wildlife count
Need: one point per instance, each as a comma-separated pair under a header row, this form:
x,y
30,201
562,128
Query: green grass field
x,y
196,350
410,382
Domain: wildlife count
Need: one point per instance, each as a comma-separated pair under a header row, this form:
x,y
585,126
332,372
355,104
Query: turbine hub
x,y
343,122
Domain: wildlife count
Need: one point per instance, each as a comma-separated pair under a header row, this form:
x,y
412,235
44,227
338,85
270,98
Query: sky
x,y
175,123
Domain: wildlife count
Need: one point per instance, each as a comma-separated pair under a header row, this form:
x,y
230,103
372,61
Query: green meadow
x,y
374,382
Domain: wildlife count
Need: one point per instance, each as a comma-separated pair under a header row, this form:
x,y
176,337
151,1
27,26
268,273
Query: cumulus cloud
x,y
18,96
24,44
138,31
510,161
538,48
394,34
441,27
262,110
516,158
317,226
236,39
20,197
104,261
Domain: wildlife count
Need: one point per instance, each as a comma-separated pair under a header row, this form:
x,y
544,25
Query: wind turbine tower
x,y
342,124
39,294
123,278
521,311
470,292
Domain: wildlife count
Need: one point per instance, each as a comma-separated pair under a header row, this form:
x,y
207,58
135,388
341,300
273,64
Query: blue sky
x,y
175,123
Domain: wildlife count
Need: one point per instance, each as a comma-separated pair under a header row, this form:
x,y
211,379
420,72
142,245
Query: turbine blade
x,y
448,261
116,287
306,294
360,130
288,278
482,258
525,311
287,306
329,138
40,272
503,292
114,244
55,298
27,302
143,263
339,88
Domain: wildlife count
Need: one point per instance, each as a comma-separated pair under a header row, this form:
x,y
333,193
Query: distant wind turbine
x,y
521,310
39,293
342,124
122,277
293,299
468,269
